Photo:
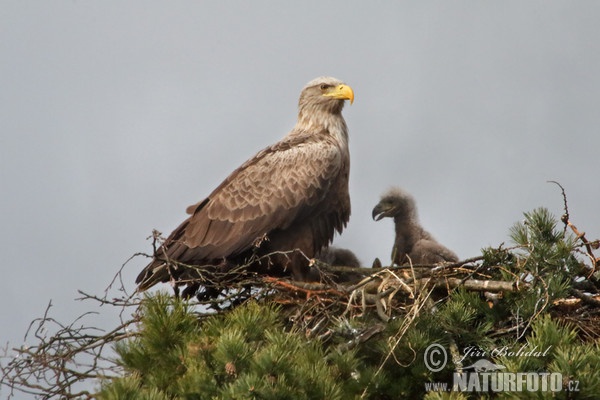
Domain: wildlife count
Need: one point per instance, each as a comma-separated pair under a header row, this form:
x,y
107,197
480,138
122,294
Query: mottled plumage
x,y
412,243
292,195
337,256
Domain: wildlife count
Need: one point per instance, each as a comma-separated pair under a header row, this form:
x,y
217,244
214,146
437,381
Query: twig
x,y
580,235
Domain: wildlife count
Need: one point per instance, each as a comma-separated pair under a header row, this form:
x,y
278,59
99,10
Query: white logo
x,y
435,357
484,365
485,376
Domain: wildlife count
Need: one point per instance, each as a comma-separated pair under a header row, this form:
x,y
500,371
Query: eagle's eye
x,y
325,86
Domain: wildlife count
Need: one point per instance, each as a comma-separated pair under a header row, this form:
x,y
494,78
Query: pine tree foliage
x,y
563,352
531,307
260,350
156,355
243,354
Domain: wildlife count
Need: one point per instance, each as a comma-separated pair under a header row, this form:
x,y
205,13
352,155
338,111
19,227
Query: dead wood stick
x,y
473,284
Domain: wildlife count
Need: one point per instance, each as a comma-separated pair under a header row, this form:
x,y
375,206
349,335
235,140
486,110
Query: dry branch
x,y
473,284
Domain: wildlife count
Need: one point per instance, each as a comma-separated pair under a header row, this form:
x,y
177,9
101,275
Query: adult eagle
x,y
286,201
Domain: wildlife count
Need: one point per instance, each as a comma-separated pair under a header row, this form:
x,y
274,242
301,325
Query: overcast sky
x,y
115,116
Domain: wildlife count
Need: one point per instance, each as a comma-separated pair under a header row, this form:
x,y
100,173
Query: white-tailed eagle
x,y
288,200
413,243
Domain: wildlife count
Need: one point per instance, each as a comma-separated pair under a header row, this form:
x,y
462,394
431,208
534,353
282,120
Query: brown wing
x,y
268,192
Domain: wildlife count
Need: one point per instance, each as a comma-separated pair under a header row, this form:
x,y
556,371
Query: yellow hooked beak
x,y
341,92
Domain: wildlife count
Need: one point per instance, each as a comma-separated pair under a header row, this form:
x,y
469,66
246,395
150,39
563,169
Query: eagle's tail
x,y
157,271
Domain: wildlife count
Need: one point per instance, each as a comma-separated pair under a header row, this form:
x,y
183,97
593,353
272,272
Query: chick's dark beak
x,y
378,212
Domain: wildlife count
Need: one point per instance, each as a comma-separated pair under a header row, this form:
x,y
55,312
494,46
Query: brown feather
x,y
294,193
337,256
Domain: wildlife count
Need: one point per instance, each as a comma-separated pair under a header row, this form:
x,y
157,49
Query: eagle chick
x,y
413,243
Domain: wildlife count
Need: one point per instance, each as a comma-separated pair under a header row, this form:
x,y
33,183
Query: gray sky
x,y
115,116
